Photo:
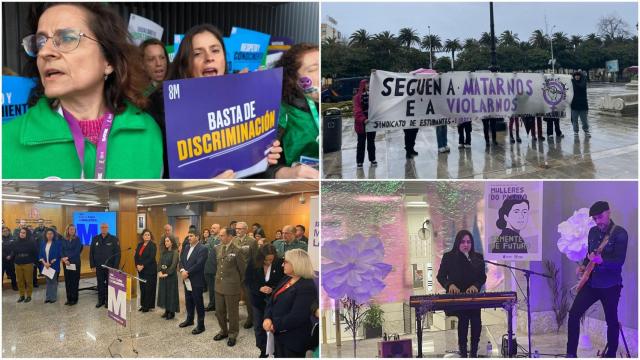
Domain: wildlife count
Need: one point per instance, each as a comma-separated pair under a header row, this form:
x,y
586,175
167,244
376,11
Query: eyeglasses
x,y
64,40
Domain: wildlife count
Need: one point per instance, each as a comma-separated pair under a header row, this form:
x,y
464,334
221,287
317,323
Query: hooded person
x,y
361,117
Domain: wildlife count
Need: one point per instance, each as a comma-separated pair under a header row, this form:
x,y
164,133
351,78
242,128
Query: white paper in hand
x,y
187,284
50,272
71,267
270,344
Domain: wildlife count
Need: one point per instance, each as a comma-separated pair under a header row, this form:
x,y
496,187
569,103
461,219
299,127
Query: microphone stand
x,y
527,274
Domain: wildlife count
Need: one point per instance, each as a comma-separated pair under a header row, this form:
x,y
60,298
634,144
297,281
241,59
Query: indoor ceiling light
x,y
200,191
417,204
21,196
58,203
222,182
80,201
275,182
123,182
15,200
264,190
152,197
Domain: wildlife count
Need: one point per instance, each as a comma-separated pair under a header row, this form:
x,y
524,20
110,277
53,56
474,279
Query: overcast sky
x,y
463,20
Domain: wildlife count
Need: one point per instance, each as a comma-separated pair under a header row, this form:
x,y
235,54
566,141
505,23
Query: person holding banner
x,y
201,54
192,260
145,259
49,257
168,286
299,122
605,281
71,250
89,95
287,314
462,270
361,117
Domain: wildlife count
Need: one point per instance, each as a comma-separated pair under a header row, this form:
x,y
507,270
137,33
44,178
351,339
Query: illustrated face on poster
x,y
514,219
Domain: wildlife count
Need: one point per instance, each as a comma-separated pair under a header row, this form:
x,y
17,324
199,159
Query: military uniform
x,y
231,267
210,271
104,251
249,248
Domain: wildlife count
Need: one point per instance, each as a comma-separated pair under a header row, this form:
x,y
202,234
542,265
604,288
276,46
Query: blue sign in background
x,y
188,104
88,224
15,93
245,49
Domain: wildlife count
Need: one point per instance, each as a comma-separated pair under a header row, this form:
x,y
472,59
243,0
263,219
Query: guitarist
x,y
605,281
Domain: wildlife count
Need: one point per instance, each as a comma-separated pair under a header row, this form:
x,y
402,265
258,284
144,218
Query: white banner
x,y
314,232
142,29
513,221
402,101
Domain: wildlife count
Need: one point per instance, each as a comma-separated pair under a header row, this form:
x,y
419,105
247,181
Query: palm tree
x,y
330,41
485,39
508,38
385,36
470,42
431,42
408,36
538,39
453,46
359,38
593,37
576,40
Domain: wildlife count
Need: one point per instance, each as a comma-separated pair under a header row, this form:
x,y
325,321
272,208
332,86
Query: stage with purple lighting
x,y
384,268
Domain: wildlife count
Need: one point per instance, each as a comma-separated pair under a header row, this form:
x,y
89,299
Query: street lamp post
x,y
494,61
430,49
553,61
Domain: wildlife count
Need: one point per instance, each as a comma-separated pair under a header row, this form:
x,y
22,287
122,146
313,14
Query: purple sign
x,y
221,123
117,297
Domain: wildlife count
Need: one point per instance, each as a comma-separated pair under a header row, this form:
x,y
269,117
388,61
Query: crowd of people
x,y
93,80
532,125
274,277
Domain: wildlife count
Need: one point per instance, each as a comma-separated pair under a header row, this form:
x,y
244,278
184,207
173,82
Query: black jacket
x,y
290,313
148,258
104,251
25,251
579,101
254,280
456,269
195,264
7,247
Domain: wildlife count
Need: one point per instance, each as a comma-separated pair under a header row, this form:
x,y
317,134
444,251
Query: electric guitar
x,y
589,269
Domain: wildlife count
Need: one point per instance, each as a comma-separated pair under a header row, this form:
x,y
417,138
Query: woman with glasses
x,y
87,122
288,310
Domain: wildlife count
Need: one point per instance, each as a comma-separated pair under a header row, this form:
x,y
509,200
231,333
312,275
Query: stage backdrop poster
x,y
245,49
117,297
141,29
220,123
314,233
513,221
15,93
88,224
403,101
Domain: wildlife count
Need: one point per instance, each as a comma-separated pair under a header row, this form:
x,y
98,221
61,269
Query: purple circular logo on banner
x,y
554,92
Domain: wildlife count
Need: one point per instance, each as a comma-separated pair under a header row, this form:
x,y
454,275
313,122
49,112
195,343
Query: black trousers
x,y
102,275
210,279
35,274
10,270
514,121
148,291
195,302
281,351
72,282
410,139
551,124
368,139
609,297
261,335
464,129
465,317
489,124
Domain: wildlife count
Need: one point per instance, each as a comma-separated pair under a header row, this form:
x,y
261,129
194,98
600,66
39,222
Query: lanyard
x,y
314,111
101,146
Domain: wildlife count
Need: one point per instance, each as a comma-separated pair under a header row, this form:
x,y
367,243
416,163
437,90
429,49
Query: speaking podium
x,y
119,307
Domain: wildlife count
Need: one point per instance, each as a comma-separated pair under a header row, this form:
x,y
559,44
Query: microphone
x,y
125,259
112,255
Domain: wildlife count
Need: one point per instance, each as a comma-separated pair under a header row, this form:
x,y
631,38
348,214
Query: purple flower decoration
x,y
356,269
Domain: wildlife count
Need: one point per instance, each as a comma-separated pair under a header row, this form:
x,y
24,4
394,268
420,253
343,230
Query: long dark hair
x,y
265,250
174,244
142,235
501,223
291,61
459,236
181,66
128,80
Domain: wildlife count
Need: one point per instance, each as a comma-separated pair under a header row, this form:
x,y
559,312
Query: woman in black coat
x,y
145,259
262,276
462,270
287,315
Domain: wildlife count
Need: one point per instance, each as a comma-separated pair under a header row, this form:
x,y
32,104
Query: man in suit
x,y
229,282
192,260
104,250
300,234
249,249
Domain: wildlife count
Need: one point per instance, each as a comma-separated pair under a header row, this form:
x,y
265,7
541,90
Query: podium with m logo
x,y
119,304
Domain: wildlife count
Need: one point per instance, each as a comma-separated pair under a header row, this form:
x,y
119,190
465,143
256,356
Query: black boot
x,y
164,316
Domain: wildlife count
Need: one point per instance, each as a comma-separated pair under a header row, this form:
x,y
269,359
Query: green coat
x,y
39,145
168,287
301,133
210,265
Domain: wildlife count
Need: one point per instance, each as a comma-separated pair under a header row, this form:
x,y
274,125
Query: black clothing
x,y
464,129
104,251
148,273
410,139
579,101
368,139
